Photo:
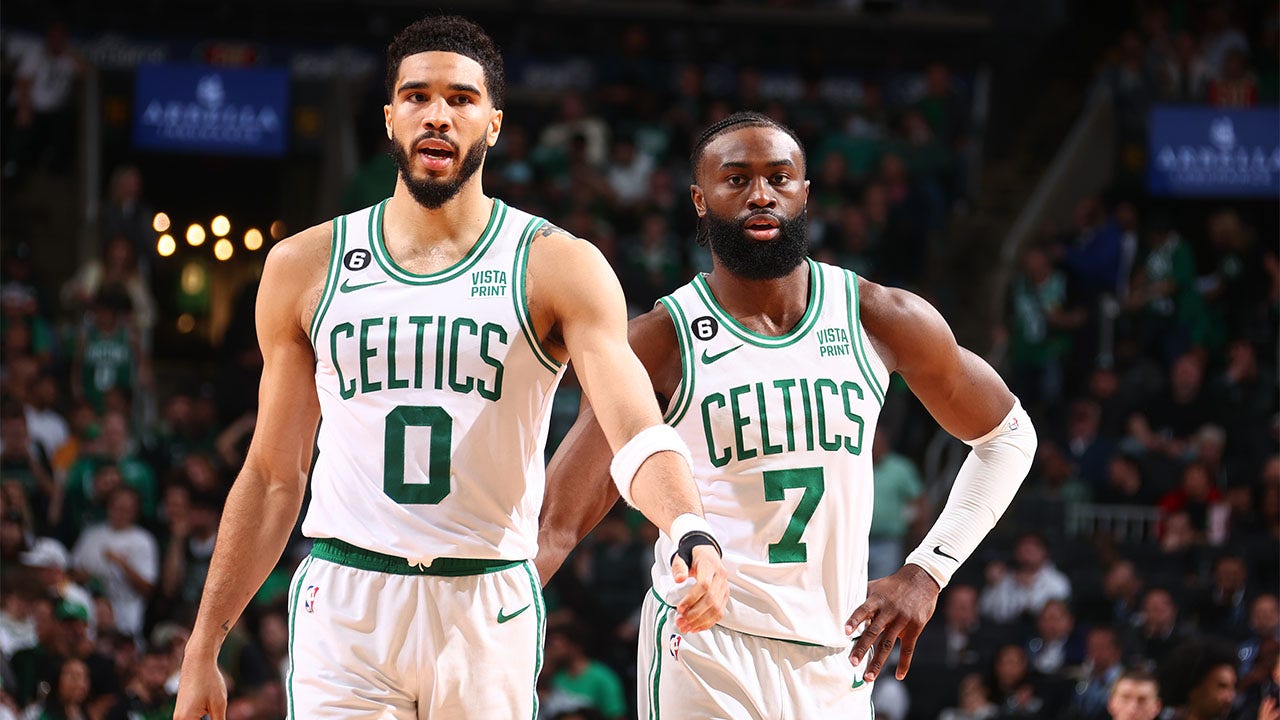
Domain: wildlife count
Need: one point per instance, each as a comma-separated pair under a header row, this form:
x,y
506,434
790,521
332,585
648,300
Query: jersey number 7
x,y
789,549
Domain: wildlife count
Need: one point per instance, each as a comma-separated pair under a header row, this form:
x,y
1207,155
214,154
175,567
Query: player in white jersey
x,y
426,336
773,368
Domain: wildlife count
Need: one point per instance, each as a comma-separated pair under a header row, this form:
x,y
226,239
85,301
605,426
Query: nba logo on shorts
x,y
673,646
1013,424
309,601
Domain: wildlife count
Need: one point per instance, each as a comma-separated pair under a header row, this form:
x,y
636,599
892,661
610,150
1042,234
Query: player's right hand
x,y
704,605
201,690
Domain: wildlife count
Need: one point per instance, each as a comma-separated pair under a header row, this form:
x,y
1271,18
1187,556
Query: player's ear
x,y
386,118
806,192
495,127
699,202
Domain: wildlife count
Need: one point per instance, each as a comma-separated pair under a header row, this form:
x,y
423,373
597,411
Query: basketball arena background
x,y
1087,191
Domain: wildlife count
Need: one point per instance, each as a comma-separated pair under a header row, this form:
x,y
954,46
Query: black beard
x,y
752,259
431,193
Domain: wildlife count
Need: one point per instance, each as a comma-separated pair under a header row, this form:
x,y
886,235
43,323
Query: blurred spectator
x,y
1026,588
1235,86
1041,321
125,214
576,121
43,134
975,703
69,697
1134,696
63,631
1121,589
1198,681
49,559
578,674
1220,38
1056,644
108,351
1126,484
1184,76
21,460
47,428
192,533
652,264
628,172
1264,626
145,696
1084,444
1158,631
1223,607
898,502
1200,500
1014,685
1168,312
1098,675
86,491
122,556
118,269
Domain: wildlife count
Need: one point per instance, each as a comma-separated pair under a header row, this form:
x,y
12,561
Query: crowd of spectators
x,y
1142,345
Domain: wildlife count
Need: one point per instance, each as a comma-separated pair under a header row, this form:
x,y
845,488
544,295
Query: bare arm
x,y
579,490
266,497
579,297
968,399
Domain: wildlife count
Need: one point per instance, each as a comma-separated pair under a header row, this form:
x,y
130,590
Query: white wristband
x,y
653,439
984,487
687,523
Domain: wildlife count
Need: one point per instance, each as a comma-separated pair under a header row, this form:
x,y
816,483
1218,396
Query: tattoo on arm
x,y
549,229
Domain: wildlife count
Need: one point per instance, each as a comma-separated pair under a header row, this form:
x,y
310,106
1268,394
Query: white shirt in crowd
x,y
1008,598
142,554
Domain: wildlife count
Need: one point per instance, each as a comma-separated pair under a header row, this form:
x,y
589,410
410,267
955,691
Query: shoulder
x,y
308,249
554,242
293,276
900,323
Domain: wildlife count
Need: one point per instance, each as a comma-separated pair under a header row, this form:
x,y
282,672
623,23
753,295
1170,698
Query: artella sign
x,y
1214,152
214,110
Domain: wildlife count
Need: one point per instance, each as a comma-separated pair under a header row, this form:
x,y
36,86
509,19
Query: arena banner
x,y
1214,152
211,110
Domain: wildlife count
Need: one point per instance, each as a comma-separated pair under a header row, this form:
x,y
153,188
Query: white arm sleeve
x,y
984,487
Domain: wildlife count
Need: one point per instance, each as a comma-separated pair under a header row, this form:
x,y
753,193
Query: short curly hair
x,y
449,33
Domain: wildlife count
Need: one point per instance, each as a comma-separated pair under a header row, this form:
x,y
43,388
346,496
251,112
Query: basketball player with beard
x,y
425,337
773,369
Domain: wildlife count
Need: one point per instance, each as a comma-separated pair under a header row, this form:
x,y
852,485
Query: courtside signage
x,y
1213,152
208,109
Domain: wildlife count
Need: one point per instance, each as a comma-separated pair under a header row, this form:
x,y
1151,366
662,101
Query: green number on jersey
x,y
393,483
789,549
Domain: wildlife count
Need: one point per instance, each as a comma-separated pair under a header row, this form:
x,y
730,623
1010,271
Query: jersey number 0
x,y
437,485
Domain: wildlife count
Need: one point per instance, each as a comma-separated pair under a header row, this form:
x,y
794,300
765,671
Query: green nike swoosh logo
x,y
708,359
857,683
503,618
348,287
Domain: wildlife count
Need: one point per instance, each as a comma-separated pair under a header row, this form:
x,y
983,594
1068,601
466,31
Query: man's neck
x,y
772,306
459,220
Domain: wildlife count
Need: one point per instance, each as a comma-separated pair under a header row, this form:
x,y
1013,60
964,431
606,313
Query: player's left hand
x,y
704,605
897,606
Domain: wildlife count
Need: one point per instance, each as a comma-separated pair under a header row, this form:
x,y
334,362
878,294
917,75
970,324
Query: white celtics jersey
x,y
434,398
781,431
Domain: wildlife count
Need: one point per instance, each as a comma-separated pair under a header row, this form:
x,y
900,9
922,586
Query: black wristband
x,y
691,540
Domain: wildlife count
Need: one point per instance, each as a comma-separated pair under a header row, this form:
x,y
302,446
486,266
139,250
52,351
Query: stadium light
x,y
195,235
220,225
252,239
160,223
186,323
223,249
277,230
